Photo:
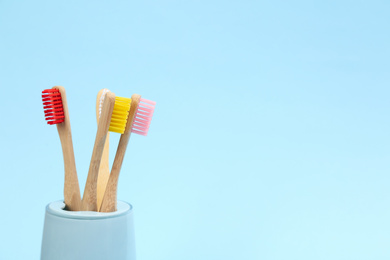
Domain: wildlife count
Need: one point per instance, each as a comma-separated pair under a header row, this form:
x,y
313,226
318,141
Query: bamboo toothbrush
x,y
113,118
89,198
122,107
104,170
140,116
56,112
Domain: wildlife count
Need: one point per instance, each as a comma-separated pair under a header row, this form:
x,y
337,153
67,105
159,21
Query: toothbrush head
x,y
100,98
120,115
143,117
52,106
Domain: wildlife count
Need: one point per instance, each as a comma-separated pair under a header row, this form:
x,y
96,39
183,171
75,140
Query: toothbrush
x,y
104,170
113,118
89,202
56,112
140,116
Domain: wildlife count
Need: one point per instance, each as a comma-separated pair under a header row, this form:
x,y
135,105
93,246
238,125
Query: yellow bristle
x,y
119,115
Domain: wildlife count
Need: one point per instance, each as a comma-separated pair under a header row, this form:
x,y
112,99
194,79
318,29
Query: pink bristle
x,y
149,102
143,117
139,117
145,110
149,106
140,127
138,132
140,124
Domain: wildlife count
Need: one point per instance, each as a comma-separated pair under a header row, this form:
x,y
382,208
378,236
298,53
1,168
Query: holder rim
x,y
56,208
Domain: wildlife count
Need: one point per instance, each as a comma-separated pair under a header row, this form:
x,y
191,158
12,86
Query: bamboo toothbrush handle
x,y
109,202
71,185
104,170
89,202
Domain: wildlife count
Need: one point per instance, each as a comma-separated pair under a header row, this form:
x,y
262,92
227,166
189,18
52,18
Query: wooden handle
x,y
89,202
110,196
104,169
71,185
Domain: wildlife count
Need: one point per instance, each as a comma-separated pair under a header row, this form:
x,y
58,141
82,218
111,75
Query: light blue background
x,y
270,138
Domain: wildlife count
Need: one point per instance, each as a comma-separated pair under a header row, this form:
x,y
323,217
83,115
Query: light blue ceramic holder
x,y
87,235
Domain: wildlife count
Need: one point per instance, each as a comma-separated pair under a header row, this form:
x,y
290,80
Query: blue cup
x,y
84,235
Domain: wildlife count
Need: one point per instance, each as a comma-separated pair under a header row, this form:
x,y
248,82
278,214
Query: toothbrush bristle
x,y
52,106
143,117
120,115
105,91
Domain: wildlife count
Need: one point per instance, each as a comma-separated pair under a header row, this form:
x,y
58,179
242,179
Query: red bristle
x,y
52,106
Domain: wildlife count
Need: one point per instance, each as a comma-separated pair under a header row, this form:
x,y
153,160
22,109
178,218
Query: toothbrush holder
x,y
84,235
